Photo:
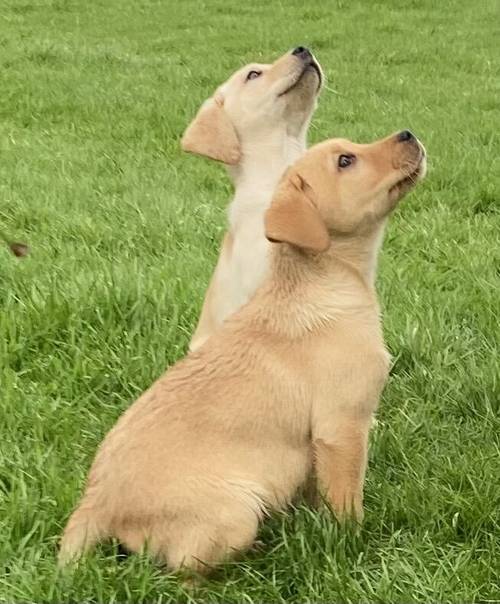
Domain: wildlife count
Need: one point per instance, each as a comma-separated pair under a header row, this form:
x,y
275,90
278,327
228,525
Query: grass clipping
x,y
20,250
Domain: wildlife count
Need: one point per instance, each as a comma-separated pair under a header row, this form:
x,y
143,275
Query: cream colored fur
x,y
287,385
258,127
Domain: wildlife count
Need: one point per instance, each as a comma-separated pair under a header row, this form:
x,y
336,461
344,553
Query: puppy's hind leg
x,y
199,547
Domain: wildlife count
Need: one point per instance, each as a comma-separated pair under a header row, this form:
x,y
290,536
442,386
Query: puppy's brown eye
x,y
253,74
345,160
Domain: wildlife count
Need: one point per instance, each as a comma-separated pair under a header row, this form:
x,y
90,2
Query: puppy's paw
x,y
346,505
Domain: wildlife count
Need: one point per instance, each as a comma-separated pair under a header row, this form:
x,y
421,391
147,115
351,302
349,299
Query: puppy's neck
x,y
360,253
350,258
312,290
264,160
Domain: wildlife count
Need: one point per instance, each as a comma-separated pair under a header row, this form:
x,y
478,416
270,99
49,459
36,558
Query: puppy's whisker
x,y
332,90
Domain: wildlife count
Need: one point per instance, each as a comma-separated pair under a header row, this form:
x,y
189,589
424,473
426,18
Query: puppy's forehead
x,y
240,75
245,70
334,145
256,66
341,145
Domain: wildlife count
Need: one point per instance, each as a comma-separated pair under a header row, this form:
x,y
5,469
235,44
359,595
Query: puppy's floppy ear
x,y
293,217
212,134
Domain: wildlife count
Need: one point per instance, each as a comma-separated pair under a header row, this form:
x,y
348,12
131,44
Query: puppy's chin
x,y
310,82
309,78
313,76
408,180
299,102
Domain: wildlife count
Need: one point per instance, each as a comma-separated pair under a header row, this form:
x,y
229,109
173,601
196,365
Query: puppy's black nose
x,y
302,52
405,136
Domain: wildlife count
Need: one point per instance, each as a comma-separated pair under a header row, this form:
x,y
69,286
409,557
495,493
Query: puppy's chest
x,y
249,261
350,366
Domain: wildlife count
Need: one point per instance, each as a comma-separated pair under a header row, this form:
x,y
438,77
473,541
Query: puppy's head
x,y
257,99
342,188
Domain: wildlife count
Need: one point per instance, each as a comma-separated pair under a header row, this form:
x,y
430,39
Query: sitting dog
x,y
290,381
256,123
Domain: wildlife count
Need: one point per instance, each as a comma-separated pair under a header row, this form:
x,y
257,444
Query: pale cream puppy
x,y
257,124
288,383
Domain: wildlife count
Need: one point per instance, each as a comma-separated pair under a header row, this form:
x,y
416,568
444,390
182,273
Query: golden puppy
x,y
256,123
289,382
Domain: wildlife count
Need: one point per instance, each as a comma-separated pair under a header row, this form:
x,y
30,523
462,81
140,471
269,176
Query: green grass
x,y
124,232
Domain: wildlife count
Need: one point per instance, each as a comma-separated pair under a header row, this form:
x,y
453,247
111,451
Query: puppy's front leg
x,y
340,460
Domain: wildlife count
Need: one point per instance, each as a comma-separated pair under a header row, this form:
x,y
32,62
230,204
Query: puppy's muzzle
x,y
409,160
309,64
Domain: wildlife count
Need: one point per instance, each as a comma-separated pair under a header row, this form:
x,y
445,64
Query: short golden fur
x,y
289,384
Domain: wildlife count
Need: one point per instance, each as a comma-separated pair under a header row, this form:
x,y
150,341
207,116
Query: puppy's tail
x,y
82,532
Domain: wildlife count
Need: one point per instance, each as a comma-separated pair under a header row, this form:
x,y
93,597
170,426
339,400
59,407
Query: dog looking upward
x,y
257,124
289,382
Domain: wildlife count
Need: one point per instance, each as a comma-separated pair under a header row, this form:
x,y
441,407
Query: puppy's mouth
x,y
412,174
313,67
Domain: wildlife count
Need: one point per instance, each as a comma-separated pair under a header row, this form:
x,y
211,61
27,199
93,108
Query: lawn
x,y
124,231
